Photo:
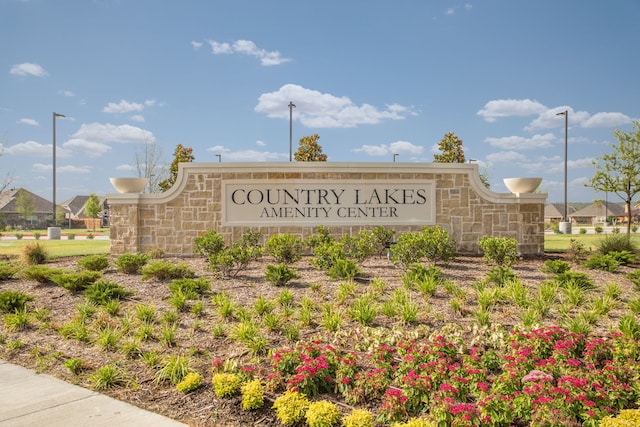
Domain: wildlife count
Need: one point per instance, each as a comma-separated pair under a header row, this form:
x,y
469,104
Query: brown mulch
x,y
43,349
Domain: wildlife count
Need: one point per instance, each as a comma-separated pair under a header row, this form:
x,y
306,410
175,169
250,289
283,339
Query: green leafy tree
x,y
25,205
92,208
310,150
619,171
451,148
181,154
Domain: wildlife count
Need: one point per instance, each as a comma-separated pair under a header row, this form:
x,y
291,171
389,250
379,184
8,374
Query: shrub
x,y
232,261
598,229
12,301
322,414
226,384
34,253
285,248
432,243
96,262
326,254
626,418
190,287
208,244
76,282
131,263
358,418
7,270
190,382
19,236
108,376
579,279
154,253
321,236
174,369
71,236
583,230
623,257
382,239
616,243
344,269
280,275
555,266
418,274
499,250
39,273
634,276
165,270
252,395
291,407
103,291
602,262
576,250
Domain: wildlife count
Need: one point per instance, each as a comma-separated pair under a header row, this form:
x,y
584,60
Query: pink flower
x,y
536,375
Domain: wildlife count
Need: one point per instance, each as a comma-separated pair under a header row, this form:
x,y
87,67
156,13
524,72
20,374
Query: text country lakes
x,y
322,202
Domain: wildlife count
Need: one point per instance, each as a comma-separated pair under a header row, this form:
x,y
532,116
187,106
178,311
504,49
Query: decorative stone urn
x,y
129,185
522,185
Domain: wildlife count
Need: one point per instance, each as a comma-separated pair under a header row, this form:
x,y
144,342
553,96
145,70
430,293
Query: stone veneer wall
x,y
172,220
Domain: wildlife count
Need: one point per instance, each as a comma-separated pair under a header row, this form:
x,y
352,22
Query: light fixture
x,y
565,226
55,116
291,107
394,157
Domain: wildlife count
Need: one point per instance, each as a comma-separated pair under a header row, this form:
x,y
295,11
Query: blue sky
x,y
371,77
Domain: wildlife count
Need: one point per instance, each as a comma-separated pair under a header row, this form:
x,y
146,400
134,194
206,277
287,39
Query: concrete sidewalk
x,y
31,399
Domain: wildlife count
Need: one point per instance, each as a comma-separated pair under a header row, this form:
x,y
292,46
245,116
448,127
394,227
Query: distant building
x,y
597,213
76,216
41,217
554,212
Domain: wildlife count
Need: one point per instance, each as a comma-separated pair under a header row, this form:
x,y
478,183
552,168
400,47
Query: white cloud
x,y
35,149
122,107
126,168
254,156
249,48
322,110
67,93
261,143
74,169
405,147
41,167
522,143
138,118
99,132
510,107
196,45
606,120
28,69
90,148
372,150
30,122
505,156
549,119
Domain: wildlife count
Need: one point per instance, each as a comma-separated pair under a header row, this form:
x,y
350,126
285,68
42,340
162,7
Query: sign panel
x,y
326,202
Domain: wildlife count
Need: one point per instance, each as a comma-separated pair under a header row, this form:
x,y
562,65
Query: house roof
x,y
76,205
555,210
597,209
8,201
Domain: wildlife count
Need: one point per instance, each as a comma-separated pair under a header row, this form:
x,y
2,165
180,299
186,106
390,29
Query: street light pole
x,y
55,116
291,107
566,227
394,157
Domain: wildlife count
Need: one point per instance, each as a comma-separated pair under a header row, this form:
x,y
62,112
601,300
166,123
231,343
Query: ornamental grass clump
x,y
34,253
226,384
8,270
280,275
190,383
322,414
291,407
96,262
252,395
165,270
131,263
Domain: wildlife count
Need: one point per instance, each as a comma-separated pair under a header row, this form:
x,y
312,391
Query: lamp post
x,y
394,157
565,225
291,107
219,156
55,116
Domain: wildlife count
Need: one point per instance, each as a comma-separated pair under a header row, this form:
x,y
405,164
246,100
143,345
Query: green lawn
x,y
58,248
560,242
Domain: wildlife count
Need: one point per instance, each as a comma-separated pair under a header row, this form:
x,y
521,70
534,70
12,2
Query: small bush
x,y
71,236
8,270
232,261
344,269
598,229
34,253
191,288
358,418
577,278
499,250
76,282
555,266
626,418
131,263
326,254
602,262
208,244
191,382
623,257
322,414
616,243
103,291
165,270
634,276
40,273
280,275
226,384
154,253
583,230
12,301
96,262
37,235
252,395
285,248
291,407
321,236
431,243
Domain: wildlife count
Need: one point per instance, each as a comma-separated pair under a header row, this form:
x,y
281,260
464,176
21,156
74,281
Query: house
x,y
39,211
76,216
597,213
554,212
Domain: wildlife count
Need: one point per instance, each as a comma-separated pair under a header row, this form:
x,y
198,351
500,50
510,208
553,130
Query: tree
x,y
310,150
619,171
149,164
181,154
92,208
25,205
451,148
